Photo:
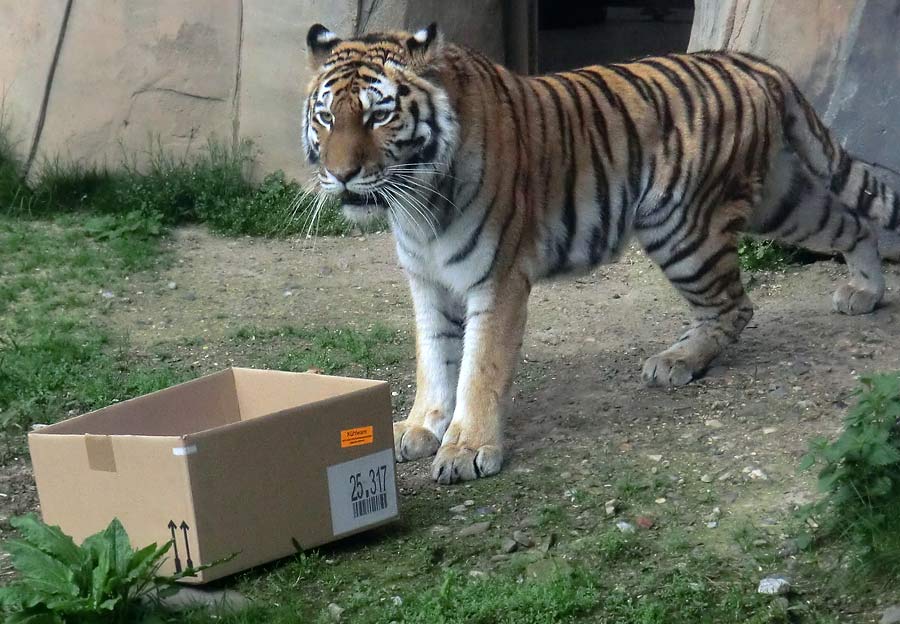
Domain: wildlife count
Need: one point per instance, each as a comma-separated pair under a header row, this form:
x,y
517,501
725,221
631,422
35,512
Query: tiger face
x,y
376,122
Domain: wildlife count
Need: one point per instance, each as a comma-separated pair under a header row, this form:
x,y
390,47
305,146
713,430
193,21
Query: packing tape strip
x,y
100,452
184,450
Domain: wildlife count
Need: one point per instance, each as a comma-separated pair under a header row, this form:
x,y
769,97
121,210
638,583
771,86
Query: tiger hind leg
x,y
704,267
802,211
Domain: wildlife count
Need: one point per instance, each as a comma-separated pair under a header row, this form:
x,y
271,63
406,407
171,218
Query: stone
x,y
475,529
758,475
655,458
706,478
774,585
891,615
523,539
509,546
625,527
172,285
712,524
469,503
611,507
788,548
645,522
219,602
335,612
548,543
458,509
546,569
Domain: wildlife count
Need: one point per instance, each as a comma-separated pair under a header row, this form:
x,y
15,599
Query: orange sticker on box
x,y
357,437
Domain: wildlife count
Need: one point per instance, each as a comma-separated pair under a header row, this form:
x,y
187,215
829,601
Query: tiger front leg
x,y
439,338
495,322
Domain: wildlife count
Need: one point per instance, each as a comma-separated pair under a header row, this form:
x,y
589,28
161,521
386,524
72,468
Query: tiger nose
x,y
344,176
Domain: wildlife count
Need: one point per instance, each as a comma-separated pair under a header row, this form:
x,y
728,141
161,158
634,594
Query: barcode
x,y
369,505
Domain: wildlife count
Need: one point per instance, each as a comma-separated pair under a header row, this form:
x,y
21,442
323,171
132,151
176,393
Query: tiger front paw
x,y
456,462
412,441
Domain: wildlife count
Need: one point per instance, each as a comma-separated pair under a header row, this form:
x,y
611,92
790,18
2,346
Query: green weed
x,y
209,185
764,255
103,580
860,478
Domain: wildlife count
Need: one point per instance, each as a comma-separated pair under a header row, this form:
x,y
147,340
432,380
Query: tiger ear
x,y
319,43
424,43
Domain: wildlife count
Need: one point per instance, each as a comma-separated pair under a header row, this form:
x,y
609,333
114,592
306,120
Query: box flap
x,y
262,392
203,403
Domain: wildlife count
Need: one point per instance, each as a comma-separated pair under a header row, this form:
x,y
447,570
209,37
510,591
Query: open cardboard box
x,y
241,461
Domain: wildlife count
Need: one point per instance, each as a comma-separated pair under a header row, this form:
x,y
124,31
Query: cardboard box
x,y
242,461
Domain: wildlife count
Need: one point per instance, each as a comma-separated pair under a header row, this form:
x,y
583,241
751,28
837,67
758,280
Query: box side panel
x,y
83,485
186,408
262,392
262,485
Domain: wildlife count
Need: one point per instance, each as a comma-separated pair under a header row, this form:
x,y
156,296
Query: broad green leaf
x,y
121,550
49,539
34,618
42,572
101,574
146,562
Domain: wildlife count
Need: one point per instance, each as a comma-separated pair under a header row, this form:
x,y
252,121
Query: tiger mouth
x,y
361,201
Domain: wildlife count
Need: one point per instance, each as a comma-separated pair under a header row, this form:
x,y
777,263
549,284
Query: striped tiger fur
x,y
492,180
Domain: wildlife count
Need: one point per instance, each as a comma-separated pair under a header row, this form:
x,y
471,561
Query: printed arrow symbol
x,y
173,527
187,547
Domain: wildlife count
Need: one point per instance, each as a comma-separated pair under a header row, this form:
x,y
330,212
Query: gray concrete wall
x,y
178,73
843,53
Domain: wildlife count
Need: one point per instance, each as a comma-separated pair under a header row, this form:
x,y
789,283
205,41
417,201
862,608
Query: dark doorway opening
x,y
574,33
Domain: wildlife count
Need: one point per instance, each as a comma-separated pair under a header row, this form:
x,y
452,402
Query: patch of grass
x,y
860,480
54,357
209,185
329,350
764,255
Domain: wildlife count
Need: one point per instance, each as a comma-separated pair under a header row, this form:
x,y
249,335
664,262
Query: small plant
x,y
102,581
763,255
860,474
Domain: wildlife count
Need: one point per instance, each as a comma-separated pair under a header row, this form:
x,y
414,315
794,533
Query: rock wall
x,y
128,75
843,54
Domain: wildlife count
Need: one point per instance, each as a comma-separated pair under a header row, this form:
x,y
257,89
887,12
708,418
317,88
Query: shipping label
x,y
362,492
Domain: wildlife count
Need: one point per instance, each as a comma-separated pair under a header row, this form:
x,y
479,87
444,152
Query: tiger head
x,y
377,123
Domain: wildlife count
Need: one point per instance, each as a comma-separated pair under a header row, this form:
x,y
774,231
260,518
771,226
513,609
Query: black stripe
x,y
865,198
798,189
599,117
704,268
446,336
680,86
840,231
895,212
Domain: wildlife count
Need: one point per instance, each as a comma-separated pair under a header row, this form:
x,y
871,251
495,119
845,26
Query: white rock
x,y
335,612
611,507
219,602
891,615
625,527
774,585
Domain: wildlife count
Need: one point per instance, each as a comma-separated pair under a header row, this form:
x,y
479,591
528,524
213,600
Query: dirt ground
x,y
579,404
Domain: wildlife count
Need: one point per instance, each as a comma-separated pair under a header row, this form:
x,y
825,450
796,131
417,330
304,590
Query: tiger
x,y
491,181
